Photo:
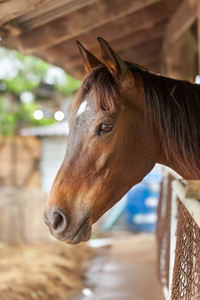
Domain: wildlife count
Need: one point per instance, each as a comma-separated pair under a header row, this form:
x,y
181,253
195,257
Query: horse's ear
x,y
112,61
89,60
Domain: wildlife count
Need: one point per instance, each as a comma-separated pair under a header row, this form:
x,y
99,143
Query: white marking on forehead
x,y
82,108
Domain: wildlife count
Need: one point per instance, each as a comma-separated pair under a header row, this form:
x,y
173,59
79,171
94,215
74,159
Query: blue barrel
x,y
142,202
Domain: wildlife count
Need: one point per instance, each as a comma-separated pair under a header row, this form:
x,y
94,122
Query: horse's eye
x,y
105,128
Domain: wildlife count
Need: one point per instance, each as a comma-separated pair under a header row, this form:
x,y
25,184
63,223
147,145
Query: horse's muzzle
x,y
58,225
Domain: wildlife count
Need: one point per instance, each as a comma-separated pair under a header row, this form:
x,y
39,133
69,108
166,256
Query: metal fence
x,y
178,235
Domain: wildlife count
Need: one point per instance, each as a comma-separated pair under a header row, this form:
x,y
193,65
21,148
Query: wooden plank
x,y
150,61
179,60
131,23
11,9
148,58
78,22
135,39
45,8
79,71
113,32
180,22
52,11
141,54
192,189
123,41
129,28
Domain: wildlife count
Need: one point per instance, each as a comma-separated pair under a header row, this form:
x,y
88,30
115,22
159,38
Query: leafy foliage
x,y
69,88
20,74
23,115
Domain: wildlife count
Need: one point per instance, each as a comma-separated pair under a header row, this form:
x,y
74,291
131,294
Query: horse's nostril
x,y
58,220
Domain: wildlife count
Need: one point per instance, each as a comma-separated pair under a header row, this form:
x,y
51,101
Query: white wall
x,y
53,152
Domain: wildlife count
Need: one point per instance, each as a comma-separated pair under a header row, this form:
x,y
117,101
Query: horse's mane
x,y
172,106
175,108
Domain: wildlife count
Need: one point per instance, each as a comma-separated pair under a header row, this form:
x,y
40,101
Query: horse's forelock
x,y
104,87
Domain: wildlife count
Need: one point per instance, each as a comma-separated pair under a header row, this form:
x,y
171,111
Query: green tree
x,y
20,74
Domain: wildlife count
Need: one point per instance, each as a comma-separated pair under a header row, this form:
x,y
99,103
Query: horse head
x,y
109,148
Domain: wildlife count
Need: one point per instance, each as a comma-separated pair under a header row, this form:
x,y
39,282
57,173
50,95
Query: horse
x,y
124,120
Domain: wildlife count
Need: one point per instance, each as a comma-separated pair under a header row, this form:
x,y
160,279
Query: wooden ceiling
x,y
136,29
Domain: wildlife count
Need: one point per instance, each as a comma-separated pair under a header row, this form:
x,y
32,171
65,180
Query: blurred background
x,y
35,99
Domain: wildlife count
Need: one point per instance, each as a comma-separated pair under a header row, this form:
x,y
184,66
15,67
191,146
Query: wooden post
x,y
192,189
179,47
179,58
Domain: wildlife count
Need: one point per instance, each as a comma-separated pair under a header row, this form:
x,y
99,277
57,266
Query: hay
x,y
48,272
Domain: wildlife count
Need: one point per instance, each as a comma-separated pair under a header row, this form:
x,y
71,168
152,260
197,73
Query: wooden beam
x,y
192,189
148,60
77,23
11,9
152,25
113,32
148,55
179,60
121,42
154,67
136,39
42,10
50,12
143,54
79,71
180,22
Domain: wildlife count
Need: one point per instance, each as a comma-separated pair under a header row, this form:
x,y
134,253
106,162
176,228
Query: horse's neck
x,y
182,153
179,169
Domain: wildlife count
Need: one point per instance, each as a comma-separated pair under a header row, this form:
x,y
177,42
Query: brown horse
x,y
124,121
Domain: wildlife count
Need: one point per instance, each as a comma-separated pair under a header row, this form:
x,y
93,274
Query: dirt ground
x,y
46,271
124,271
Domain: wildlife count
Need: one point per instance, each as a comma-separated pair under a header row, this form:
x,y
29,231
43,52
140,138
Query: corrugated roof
x,y
57,129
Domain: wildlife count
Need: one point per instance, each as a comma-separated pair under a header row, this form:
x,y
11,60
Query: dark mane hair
x,y
172,106
104,88
175,108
